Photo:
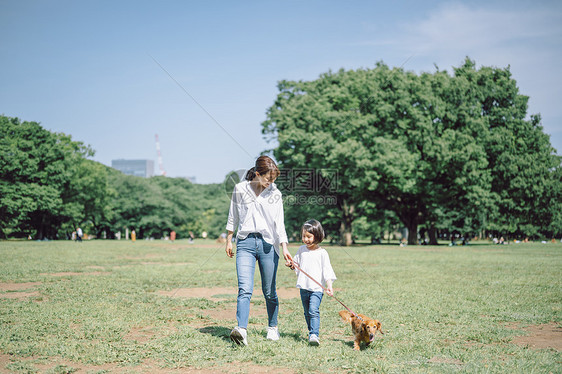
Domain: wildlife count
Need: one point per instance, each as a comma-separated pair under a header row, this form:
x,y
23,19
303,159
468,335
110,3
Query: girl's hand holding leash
x,y
329,289
291,265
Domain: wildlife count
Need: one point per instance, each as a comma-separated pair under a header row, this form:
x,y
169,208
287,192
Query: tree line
x,y
48,187
362,150
432,151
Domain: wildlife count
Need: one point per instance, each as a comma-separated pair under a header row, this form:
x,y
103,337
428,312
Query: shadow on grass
x,y
224,333
295,336
363,347
217,331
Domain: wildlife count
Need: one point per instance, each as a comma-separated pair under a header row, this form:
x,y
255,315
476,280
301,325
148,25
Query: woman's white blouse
x,y
257,214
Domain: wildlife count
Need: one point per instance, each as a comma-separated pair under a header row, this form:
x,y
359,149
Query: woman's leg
x,y
314,312
305,299
268,260
245,269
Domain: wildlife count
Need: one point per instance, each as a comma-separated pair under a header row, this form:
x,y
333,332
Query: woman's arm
x,y
229,251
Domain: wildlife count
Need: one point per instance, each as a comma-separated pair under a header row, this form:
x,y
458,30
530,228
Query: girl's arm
x,y
328,273
329,288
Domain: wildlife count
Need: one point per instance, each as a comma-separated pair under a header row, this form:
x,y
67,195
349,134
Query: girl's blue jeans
x,y
250,250
311,304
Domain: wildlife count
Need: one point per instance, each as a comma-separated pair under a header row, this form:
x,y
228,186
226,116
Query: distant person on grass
x,y
314,261
79,234
256,212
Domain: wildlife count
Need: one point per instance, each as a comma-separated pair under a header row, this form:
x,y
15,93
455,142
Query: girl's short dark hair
x,y
314,227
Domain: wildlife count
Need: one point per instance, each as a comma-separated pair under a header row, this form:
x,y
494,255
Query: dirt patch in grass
x,y
11,287
74,274
140,334
10,290
226,311
221,293
20,295
143,257
288,293
214,294
541,337
244,367
165,263
59,365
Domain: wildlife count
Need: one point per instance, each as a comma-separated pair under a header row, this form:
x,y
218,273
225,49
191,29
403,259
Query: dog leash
x,y
325,289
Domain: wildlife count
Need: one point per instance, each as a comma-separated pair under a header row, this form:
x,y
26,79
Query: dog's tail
x,y
346,316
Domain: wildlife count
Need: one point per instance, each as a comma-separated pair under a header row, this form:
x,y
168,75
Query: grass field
x,y
159,307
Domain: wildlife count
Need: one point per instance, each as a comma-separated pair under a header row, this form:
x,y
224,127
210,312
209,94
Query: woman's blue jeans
x,y
250,250
311,304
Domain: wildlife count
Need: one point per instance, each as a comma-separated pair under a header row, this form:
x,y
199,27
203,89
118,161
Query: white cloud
x,y
458,28
528,40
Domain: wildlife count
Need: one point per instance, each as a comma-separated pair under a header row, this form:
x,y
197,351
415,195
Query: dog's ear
x,y
379,326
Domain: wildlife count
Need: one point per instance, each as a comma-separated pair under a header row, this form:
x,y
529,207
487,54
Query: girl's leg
x,y
245,269
268,260
305,299
314,312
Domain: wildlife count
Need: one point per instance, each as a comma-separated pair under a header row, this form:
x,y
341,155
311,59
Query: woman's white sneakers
x,y
272,333
313,340
239,336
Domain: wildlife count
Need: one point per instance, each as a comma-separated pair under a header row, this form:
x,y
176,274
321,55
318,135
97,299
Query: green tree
x,y
36,168
158,205
429,147
88,196
140,206
523,165
316,125
437,121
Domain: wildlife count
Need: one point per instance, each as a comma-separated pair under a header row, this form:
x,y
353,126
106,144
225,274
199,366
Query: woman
x,y
256,212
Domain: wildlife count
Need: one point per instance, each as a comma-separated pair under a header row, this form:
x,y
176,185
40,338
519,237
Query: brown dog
x,y
363,327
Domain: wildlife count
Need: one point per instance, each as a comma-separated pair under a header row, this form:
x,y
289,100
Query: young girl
x,y
314,261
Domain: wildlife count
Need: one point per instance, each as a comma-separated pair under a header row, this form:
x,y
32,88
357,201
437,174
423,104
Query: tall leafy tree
x,y
421,146
88,198
36,168
524,167
322,125
140,205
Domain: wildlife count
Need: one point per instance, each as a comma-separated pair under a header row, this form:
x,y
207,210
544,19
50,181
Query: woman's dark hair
x,y
314,227
264,165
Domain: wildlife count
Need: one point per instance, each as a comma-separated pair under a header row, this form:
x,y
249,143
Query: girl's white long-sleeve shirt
x,y
261,214
315,263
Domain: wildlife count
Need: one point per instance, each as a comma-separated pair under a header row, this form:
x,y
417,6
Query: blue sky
x,y
109,72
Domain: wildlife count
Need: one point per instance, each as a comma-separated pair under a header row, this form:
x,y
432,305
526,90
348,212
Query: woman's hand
x,y
229,251
287,256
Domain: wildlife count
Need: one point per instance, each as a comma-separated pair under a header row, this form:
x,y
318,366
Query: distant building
x,y
139,168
